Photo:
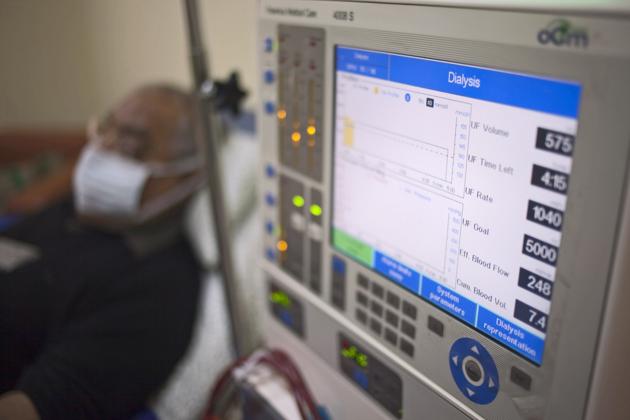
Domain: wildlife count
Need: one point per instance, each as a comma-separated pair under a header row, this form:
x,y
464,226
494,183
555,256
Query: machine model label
x,y
451,181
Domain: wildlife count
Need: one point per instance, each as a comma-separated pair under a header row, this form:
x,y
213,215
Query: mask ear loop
x,y
181,166
174,196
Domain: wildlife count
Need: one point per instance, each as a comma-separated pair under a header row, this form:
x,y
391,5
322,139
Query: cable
x,y
236,373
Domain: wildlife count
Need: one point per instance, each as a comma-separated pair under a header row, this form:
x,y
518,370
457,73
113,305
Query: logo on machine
x,y
560,32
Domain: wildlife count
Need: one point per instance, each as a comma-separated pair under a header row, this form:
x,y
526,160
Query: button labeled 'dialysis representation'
x,y
474,371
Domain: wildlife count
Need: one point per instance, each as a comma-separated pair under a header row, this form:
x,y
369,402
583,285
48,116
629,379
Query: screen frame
x,y
333,145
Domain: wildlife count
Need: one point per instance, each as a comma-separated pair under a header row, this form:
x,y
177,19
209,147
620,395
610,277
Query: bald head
x,y
153,124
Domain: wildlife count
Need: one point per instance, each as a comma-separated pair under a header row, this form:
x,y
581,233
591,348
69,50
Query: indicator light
x,y
296,137
298,201
282,246
282,114
362,360
353,353
311,130
281,299
316,210
349,352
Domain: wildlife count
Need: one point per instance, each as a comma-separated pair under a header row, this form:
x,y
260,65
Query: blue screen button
x,y
510,334
398,272
451,302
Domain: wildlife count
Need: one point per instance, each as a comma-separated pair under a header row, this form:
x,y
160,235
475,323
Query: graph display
x,y
451,181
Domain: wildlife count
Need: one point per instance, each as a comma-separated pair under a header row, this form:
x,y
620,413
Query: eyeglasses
x,y
125,139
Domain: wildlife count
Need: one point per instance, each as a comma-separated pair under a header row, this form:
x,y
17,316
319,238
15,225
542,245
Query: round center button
x,y
474,371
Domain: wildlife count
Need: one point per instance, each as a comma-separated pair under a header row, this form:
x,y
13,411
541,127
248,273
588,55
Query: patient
x,y
100,302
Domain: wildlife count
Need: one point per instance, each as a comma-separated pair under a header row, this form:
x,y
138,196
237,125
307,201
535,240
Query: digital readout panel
x,y
451,181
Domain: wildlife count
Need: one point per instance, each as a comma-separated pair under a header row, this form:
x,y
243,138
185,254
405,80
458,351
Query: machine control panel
x,y
426,196
294,207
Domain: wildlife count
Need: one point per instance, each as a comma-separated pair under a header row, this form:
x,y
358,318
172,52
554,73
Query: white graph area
x,y
425,144
399,220
388,151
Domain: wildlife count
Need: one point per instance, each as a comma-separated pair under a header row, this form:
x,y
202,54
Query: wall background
x,y
62,61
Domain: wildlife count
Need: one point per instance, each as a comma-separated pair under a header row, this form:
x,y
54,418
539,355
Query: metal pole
x,y
205,95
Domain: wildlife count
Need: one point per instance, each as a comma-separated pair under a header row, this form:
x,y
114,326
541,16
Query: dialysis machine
x,y
443,188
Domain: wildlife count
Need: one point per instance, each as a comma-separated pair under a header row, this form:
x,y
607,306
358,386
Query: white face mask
x,y
107,184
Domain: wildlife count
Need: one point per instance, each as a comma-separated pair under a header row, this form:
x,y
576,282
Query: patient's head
x,y
142,160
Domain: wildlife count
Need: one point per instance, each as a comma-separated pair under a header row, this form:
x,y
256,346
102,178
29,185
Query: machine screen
x,y
451,181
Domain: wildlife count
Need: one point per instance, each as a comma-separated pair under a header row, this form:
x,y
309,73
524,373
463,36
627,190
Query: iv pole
x,y
205,91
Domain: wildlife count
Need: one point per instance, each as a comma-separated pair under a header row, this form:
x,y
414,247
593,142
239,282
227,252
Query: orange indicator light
x,y
296,137
311,130
282,114
282,246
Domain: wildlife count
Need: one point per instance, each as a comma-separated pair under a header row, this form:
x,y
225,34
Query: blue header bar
x,y
535,93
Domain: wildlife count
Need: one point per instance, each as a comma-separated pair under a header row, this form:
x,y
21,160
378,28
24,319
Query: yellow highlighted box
x,y
348,132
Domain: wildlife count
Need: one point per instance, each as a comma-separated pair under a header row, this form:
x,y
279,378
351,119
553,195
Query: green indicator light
x,y
354,354
362,360
281,299
298,201
316,210
349,352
